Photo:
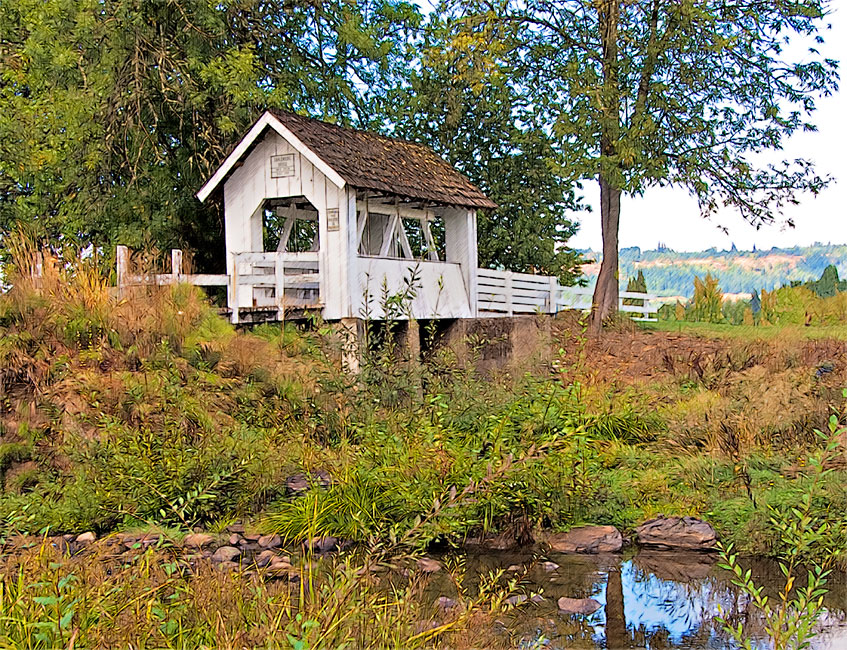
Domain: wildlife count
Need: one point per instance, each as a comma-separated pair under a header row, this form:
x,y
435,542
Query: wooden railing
x,y
260,281
275,281
504,293
127,279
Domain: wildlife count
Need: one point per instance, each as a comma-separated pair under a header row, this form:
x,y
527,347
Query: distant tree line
x,y
816,302
670,273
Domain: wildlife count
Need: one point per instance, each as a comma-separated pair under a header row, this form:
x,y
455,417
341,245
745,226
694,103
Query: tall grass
x,y
50,601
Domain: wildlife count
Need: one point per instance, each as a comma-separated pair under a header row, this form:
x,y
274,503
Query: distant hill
x,y
670,273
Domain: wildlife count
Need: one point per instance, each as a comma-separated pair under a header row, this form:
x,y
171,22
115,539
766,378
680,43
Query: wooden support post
x,y
351,331
176,265
507,291
413,340
279,287
232,292
122,255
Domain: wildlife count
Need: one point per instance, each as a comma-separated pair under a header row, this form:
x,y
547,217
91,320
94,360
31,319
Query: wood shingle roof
x,y
375,162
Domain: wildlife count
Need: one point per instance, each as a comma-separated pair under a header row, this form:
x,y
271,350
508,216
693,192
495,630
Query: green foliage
x,y
175,419
112,115
639,99
671,273
803,537
707,301
51,601
828,285
636,285
477,119
11,453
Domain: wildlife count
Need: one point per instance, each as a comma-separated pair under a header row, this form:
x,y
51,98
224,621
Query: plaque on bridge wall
x,y
332,224
282,166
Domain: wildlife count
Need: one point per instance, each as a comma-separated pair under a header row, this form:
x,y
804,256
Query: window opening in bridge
x,y
290,226
417,234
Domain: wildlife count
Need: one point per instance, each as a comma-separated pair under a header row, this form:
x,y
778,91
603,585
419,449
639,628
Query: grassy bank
x,y
152,410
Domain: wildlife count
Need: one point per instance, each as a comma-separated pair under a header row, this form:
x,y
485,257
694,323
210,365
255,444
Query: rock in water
x,y
86,538
301,482
678,533
326,544
587,539
584,606
444,603
269,541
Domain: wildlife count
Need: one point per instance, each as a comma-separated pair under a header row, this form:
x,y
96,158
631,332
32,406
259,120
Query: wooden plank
x,y
206,280
492,306
256,257
122,255
279,288
507,290
492,273
291,281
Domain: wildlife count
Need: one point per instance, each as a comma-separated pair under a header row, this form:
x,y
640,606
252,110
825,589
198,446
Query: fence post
x,y
122,255
279,289
507,290
554,295
176,265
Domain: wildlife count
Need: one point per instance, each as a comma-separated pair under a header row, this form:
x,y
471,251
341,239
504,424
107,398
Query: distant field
x,y
721,330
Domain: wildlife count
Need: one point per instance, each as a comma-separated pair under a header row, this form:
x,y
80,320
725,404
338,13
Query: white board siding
x,y
461,248
440,291
245,192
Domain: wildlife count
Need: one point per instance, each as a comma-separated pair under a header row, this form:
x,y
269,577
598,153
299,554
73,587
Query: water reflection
x,y
653,600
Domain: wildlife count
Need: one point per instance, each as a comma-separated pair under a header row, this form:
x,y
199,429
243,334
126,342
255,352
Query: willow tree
x,y
688,93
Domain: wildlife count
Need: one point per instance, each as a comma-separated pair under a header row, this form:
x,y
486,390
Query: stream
x,y
649,600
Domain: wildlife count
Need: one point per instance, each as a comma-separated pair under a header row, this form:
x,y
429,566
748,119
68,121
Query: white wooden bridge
x,y
328,219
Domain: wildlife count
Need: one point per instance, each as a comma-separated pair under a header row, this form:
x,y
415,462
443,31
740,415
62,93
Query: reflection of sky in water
x,y
652,604
663,613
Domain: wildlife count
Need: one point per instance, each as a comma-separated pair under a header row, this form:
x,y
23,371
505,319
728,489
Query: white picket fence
x,y
505,293
127,279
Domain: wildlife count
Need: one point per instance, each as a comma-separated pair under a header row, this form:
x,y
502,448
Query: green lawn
x,y
770,332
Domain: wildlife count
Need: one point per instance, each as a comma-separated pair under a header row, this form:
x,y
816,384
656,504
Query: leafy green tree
x,y
473,114
636,285
707,300
113,113
755,303
649,93
828,285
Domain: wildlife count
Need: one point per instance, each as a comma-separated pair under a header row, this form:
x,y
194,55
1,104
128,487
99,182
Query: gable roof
x,y
363,160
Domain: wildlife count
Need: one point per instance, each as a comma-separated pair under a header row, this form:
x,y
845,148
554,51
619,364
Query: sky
x,y
672,217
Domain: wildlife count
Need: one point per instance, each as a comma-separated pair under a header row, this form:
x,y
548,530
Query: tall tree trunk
x,y
605,301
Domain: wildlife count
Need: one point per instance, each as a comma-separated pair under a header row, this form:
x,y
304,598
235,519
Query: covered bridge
x,y
338,216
